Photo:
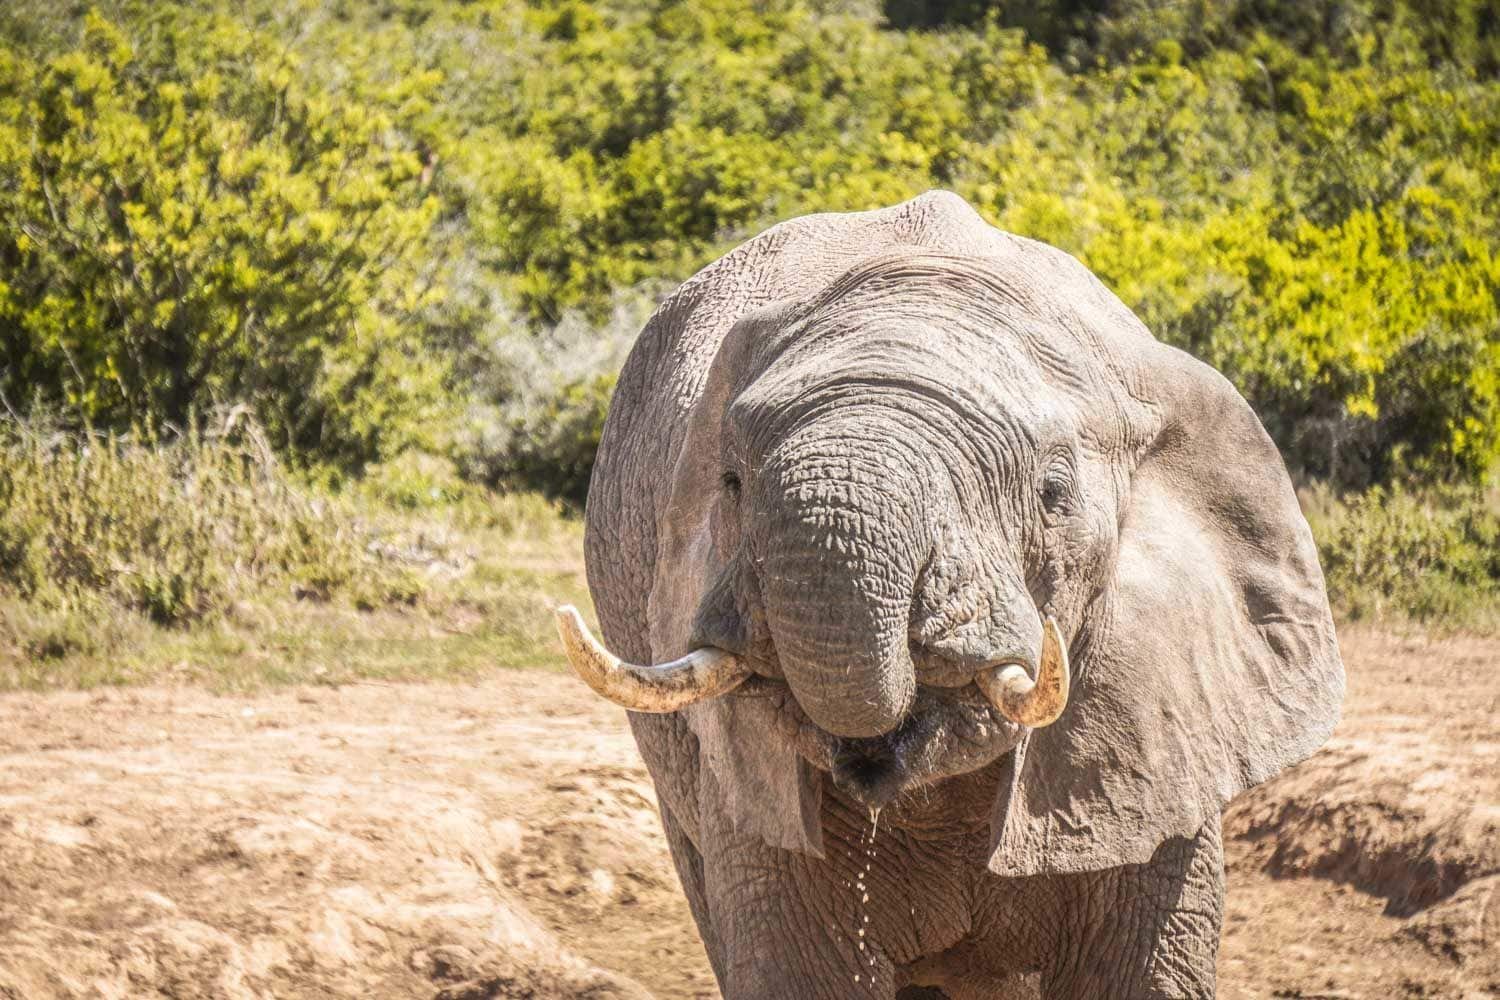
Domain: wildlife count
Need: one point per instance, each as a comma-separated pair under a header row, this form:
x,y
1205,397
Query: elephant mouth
x,y
948,732
945,732
875,772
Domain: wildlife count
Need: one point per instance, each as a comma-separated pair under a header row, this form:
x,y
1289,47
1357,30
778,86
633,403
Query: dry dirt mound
x,y
501,841
1377,862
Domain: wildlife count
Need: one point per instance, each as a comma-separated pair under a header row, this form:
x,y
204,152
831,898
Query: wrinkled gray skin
x,y
867,452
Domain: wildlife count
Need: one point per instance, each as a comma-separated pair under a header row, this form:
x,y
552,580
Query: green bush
x,y
1305,195
415,480
1330,258
334,212
554,446
187,222
541,402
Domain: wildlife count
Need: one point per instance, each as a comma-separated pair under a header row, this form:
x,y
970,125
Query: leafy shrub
x,y
187,222
336,211
544,400
553,444
415,480
1303,194
1465,32
1346,287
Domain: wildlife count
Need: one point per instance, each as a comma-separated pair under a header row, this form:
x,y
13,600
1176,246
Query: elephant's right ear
x,y
693,547
757,779
1209,660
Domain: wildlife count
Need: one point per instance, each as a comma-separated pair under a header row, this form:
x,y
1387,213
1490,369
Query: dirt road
x,y
501,841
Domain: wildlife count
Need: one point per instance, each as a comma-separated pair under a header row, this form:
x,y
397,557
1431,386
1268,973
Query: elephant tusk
x,y
663,687
1027,702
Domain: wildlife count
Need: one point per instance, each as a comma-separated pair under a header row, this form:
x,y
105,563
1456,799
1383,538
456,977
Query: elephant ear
x,y
761,783
1209,661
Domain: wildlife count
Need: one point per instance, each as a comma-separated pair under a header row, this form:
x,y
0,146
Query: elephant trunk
x,y
838,585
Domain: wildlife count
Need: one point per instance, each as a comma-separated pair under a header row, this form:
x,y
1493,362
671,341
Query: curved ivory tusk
x,y
665,687
1024,701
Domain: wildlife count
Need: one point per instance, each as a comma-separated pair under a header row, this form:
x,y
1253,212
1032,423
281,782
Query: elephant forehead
x,y
996,309
958,369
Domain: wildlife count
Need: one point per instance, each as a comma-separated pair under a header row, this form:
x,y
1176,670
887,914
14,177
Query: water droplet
x,y
861,886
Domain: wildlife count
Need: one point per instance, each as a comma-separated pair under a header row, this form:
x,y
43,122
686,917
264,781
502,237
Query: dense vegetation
x,y
420,233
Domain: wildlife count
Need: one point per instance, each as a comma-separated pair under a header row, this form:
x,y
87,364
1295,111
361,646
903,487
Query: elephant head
x,y
954,507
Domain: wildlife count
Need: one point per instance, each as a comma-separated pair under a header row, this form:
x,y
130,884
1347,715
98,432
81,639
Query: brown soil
x,y
501,841
1373,869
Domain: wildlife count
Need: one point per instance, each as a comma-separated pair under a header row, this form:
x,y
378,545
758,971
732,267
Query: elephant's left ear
x,y
1209,662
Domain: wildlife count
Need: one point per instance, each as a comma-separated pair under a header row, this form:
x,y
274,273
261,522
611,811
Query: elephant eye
x,y
731,483
1057,491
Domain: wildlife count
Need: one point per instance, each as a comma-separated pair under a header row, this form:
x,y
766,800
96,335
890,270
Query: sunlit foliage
x,y
338,210
186,221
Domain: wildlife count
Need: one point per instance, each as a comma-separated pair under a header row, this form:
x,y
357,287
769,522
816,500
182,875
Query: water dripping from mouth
x,y
862,887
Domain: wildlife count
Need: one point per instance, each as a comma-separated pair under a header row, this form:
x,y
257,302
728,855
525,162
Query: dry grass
x,y
202,561
1424,559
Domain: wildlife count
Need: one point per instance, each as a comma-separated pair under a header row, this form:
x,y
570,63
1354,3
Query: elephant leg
x,y
1144,931
793,925
689,864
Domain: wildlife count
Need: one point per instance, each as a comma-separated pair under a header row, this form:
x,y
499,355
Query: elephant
x,y
950,607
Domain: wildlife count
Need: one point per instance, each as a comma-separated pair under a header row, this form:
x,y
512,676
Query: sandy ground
x,y
501,841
